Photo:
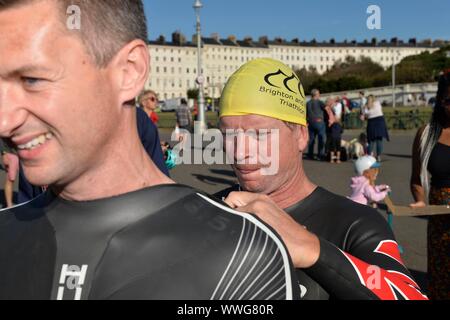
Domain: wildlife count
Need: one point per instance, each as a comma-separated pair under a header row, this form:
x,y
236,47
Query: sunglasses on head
x,y
152,99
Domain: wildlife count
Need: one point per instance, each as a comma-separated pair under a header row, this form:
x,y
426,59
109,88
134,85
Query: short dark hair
x,y
106,25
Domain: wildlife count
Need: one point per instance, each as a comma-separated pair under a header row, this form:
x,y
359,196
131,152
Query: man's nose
x,y
12,115
242,147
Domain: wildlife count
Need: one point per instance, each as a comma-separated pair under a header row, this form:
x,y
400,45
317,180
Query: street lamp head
x,y
198,5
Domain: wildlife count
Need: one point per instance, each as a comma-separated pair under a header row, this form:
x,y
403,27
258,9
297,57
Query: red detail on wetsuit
x,y
390,249
386,284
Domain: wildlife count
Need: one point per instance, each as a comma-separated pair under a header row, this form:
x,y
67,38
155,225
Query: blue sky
x,y
305,19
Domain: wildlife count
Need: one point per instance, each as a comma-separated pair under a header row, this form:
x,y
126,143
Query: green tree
x,y
192,94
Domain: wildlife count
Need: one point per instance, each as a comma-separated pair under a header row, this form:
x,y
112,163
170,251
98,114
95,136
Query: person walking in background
x,y
364,190
376,127
336,132
329,120
315,109
184,116
431,155
149,102
362,101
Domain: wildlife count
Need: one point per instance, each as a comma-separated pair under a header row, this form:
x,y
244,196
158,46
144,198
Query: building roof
x,y
248,43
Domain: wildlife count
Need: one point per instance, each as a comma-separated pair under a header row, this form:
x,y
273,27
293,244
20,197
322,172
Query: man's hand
x,y
419,204
303,246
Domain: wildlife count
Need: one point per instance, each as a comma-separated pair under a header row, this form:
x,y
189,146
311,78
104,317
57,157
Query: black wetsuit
x,y
359,258
164,242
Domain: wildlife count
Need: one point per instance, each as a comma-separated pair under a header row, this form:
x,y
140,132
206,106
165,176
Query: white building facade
x,y
174,64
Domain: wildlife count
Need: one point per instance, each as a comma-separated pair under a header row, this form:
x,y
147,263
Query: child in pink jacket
x,y
363,186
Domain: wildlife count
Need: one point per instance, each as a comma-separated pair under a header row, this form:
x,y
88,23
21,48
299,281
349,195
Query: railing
x,y
397,120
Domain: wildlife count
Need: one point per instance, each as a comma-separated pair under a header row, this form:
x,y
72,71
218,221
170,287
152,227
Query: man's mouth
x,y
247,170
35,142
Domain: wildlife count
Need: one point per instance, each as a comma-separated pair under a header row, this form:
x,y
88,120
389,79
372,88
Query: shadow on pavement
x,y
404,156
213,180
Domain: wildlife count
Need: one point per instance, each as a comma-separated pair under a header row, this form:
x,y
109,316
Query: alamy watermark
x,y
251,148
374,20
73,21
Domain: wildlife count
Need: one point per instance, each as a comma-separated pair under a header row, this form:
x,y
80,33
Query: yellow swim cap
x,y
265,87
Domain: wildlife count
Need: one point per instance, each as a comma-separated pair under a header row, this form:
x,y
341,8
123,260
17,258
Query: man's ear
x,y
302,136
131,68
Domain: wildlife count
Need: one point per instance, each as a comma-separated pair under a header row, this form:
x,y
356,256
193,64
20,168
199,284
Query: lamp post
x,y
200,79
394,61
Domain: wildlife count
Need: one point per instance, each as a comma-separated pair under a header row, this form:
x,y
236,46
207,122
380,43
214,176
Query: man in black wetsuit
x,y
342,250
111,225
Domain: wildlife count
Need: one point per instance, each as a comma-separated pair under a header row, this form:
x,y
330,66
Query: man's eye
x,y
31,81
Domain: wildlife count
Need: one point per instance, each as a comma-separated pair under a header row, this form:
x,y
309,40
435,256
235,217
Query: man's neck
x,y
124,167
295,190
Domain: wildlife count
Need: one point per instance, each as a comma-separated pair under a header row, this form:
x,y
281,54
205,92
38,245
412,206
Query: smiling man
x,y
111,225
341,250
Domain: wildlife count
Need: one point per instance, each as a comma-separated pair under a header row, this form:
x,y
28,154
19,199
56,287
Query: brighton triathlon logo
x,y
268,77
288,88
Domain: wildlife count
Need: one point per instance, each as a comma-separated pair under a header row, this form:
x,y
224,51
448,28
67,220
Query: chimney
x,y
161,39
427,42
278,40
248,40
194,39
232,38
178,38
264,40
215,36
